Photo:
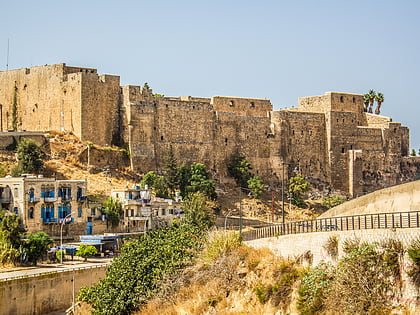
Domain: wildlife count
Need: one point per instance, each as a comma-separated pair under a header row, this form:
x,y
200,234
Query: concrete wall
x,y
405,197
45,293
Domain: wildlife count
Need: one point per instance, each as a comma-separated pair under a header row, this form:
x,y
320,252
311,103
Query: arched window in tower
x,y
341,99
231,104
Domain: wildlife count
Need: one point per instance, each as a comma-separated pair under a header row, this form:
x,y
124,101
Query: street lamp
x,y
63,221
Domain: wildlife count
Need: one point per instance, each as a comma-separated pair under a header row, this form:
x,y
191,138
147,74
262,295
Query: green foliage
x,y
11,228
413,152
133,278
146,86
158,95
11,233
157,183
314,289
362,282
197,211
261,293
184,175
297,186
29,156
200,181
12,146
60,254
171,172
113,211
86,251
256,185
332,201
240,169
37,245
414,251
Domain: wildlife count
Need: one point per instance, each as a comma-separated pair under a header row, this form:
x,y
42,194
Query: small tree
x,y
240,169
256,185
11,232
113,211
37,245
29,156
297,186
156,182
197,211
171,172
413,152
200,181
86,251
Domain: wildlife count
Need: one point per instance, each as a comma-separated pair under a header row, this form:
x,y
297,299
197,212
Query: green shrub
x,y
332,201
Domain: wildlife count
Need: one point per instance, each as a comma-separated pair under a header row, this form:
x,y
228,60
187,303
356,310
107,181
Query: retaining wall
x,y
309,247
44,293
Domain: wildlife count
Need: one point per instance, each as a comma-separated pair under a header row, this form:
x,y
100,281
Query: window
x,y
354,99
79,212
342,150
16,210
252,105
161,138
163,212
31,213
231,104
341,99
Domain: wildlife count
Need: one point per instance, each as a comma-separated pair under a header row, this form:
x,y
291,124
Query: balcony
x,y
82,198
50,199
49,220
33,199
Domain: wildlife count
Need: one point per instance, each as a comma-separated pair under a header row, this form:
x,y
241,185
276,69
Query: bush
x,y
219,244
333,201
133,277
86,251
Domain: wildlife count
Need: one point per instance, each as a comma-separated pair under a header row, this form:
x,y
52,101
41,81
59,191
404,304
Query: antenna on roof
x,y
7,60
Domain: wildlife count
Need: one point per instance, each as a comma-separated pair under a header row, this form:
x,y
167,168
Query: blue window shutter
x,y
52,212
69,192
79,212
43,194
60,211
43,213
59,192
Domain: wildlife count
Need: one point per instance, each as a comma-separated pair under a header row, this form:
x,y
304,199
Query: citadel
x,y
330,139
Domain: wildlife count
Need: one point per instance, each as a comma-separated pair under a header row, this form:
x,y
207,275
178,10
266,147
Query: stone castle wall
x,y
328,138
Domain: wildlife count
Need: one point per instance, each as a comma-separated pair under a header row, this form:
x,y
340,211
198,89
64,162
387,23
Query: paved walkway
x,y
44,268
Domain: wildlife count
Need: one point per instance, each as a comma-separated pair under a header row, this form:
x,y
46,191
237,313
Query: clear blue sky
x,y
279,50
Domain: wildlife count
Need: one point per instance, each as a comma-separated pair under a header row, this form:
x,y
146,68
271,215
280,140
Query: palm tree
x,y
372,96
366,101
379,98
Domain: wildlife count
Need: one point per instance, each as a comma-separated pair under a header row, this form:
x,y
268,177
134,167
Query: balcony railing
x,y
82,198
33,199
50,199
49,220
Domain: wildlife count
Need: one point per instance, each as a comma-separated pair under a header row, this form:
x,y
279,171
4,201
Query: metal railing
x,y
346,223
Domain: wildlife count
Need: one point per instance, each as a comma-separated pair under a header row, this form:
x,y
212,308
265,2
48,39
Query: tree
x,y
11,233
413,152
184,175
380,99
297,186
256,185
197,211
37,245
86,251
200,181
146,86
171,172
113,211
240,169
372,96
29,157
157,183
366,102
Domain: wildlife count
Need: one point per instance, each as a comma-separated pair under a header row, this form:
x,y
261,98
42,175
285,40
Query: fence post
x,y
401,222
